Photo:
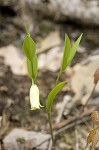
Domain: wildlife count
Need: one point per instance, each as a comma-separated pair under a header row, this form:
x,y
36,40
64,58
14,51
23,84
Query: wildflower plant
x,y
29,48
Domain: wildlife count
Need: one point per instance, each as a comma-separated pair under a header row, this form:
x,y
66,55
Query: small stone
x,y
19,139
83,77
51,60
13,59
51,41
82,80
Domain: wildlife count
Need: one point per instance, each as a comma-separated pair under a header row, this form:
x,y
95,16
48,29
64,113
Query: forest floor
x,y
14,87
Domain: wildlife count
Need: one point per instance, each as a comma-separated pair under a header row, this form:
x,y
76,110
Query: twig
x,y
65,100
82,110
65,122
47,49
71,123
63,129
76,137
47,139
77,122
91,94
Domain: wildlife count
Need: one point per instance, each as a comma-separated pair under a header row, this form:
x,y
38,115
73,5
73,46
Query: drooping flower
x,y
34,97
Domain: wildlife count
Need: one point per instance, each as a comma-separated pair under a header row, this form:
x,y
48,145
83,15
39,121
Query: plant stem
x,y
59,74
51,130
32,81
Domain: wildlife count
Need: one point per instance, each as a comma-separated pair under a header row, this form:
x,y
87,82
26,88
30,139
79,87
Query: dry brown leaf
x,y
95,139
91,136
96,76
95,118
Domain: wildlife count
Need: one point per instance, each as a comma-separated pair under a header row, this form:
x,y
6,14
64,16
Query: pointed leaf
x,y
52,95
29,47
32,67
66,53
73,50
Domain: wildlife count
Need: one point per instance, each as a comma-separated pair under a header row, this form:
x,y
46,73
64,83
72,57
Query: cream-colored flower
x,y
34,97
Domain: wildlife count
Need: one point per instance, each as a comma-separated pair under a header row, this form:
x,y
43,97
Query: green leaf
x,y
66,53
73,50
32,67
52,95
29,47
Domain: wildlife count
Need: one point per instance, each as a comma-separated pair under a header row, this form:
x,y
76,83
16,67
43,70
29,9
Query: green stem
x,y
59,74
32,73
51,130
32,81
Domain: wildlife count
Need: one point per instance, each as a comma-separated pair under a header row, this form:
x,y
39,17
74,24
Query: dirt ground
x,y
14,89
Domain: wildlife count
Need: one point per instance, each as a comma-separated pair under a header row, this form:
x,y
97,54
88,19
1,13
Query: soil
x,y
14,89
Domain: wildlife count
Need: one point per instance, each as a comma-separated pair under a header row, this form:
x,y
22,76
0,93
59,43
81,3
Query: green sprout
x,y
32,67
